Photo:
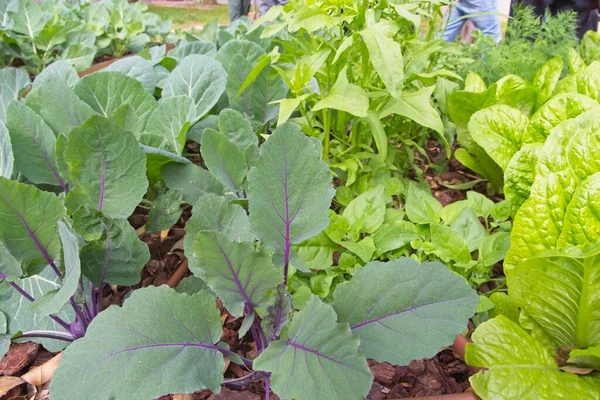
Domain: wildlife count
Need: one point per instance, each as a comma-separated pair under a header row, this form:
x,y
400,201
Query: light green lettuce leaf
x,y
499,130
559,108
520,174
567,159
519,367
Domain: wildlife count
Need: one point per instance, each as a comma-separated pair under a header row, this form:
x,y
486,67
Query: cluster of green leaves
x,y
530,41
547,333
502,127
102,142
37,33
77,156
361,77
374,226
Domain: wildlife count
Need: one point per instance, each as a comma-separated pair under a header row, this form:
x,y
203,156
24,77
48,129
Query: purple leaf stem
x,y
104,269
93,305
287,246
261,333
102,175
82,317
268,387
19,289
66,337
256,339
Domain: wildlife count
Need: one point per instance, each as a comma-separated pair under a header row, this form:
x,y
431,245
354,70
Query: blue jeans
x,y
488,24
265,5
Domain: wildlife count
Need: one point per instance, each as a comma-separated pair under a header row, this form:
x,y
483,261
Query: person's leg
x,y
587,21
264,6
246,6
235,8
488,24
587,18
454,24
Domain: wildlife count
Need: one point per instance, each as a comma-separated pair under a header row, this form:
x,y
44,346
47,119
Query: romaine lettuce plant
x,y
502,128
552,274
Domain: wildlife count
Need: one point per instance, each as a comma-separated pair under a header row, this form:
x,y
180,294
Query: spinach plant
x,y
548,327
374,226
359,76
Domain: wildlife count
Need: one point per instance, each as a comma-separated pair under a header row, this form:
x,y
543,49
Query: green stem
x,y
326,131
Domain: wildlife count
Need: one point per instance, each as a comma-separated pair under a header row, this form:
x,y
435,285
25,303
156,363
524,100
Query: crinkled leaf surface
x,y
216,213
12,81
235,271
345,96
404,311
118,255
58,105
107,168
567,159
546,78
34,144
168,124
126,355
29,233
290,190
560,294
137,68
53,302
499,130
519,367
278,313
224,160
192,180
19,313
200,77
318,359
7,159
520,174
559,108
105,91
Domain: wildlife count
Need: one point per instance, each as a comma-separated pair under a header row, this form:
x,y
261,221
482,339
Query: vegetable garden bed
x,y
276,209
